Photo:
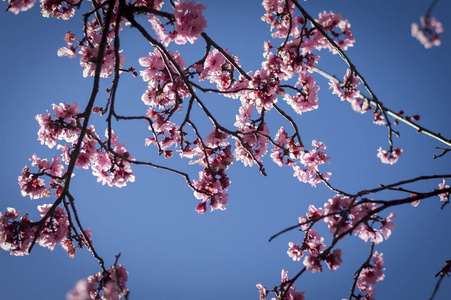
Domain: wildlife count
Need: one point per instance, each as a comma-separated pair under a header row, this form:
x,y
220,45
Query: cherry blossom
x,y
189,24
444,196
369,276
254,142
16,6
62,127
429,33
190,21
55,228
80,292
339,29
389,157
291,293
173,88
56,9
12,238
111,285
263,293
367,232
307,99
333,260
31,185
331,22
114,170
294,251
311,160
89,57
286,148
154,4
211,189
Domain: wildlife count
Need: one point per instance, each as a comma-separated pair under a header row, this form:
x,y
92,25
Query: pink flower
x,y
66,51
64,127
301,174
114,171
107,286
416,202
216,138
201,208
313,264
12,238
350,88
154,4
314,243
336,204
58,9
16,6
314,213
389,158
429,33
368,233
80,291
256,143
88,60
307,100
304,222
55,228
214,61
291,293
69,247
333,260
294,251
263,293
388,225
369,276
337,28
211,189
190,22
265,88
31,185
444,196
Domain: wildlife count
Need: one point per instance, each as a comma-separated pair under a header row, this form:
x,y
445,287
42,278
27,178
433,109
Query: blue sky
x,y
171,251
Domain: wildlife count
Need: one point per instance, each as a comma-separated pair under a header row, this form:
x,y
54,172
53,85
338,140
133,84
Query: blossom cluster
x,y
213,181
33,186
63,125
16,235
258,91
108,286
314,244
349,91
343,214
49,8
310,160
370,275
187,25
290,294
165,88
89,49
444,196
389,157
168,86
429,32
110,165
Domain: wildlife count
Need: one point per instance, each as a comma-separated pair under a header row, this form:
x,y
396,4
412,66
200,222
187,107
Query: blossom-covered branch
x,y
284,86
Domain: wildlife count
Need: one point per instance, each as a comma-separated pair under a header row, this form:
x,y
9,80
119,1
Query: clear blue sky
x,y
171,251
